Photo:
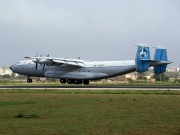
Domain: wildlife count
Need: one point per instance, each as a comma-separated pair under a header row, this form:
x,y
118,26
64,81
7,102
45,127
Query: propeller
x,y
42,63
37,61
36,66
36,55
44,66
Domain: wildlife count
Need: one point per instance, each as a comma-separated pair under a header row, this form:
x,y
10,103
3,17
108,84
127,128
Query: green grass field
x,y
89,112
92,84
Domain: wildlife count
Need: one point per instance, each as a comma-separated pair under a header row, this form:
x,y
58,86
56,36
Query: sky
x,y
89,29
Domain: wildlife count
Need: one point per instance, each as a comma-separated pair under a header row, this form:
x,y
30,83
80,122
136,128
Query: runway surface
x,y
92,87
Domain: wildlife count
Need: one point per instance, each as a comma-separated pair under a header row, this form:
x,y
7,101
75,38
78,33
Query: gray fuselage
x,y
92,70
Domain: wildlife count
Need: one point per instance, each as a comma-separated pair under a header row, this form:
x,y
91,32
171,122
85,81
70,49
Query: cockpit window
x,y
16,64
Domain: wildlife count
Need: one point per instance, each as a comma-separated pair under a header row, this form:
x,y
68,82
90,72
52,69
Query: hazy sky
x,y
90,29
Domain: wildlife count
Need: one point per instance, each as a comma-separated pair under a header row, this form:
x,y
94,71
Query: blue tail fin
x,y
142,58
161,55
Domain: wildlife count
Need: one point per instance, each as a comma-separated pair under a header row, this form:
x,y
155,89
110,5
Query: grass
x,y
89,112
94,84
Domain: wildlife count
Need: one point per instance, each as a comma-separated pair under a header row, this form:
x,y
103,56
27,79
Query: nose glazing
x,y
11,67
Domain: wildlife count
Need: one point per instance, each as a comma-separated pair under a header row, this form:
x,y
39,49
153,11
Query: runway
x,y
91,87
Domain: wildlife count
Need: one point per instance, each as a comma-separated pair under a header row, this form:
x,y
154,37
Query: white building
x,y
5,71
173,69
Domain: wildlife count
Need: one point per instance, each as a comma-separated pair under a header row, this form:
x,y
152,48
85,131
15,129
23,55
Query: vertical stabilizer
x,y
142,58
161,55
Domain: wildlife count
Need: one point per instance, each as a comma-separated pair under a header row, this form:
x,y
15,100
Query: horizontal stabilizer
x,y
157,62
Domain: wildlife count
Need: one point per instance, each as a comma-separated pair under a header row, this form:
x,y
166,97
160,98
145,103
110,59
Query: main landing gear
x,y
71,81
85,82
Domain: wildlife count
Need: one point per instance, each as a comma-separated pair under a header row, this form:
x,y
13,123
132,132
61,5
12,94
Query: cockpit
x,y
20,63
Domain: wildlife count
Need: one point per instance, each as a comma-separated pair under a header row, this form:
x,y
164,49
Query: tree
x,y
173,74
6,76
141,76
161,77
176,81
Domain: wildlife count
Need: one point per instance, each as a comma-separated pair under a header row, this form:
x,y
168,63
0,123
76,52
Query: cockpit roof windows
x,y
24,62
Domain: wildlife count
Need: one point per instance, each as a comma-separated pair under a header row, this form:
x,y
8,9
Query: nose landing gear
x,y
29,80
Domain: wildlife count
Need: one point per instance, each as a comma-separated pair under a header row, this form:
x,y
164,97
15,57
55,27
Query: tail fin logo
x,y
143,52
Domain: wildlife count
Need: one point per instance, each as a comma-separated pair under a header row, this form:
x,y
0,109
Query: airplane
x,y
77,71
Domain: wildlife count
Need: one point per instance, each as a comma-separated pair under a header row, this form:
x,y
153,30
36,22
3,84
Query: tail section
x,y
142,58
160,55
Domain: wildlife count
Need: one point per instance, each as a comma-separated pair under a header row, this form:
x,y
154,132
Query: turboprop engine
x,y
43,61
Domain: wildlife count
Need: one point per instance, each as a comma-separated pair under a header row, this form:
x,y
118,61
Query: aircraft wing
x,y
51,60
69,62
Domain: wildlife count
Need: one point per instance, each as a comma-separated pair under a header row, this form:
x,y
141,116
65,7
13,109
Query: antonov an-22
x,y
82,71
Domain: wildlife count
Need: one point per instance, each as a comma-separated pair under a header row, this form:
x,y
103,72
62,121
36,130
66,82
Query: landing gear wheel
x,y
70,81
78,81
62,80
86,82
29,80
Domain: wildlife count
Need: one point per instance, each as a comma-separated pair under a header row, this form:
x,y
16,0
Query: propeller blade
x,y
44,66
37,60
36,66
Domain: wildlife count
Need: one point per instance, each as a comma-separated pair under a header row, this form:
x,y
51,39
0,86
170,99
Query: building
x,y
5,71
173,69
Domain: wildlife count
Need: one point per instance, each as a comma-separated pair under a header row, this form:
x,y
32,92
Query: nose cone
x,y
11,67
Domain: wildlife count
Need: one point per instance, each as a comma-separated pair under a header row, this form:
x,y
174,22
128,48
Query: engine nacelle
x,y
44,61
